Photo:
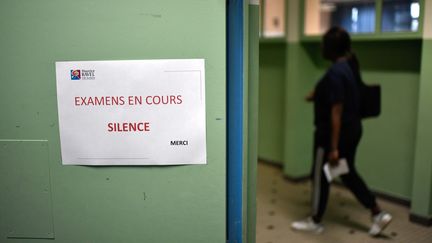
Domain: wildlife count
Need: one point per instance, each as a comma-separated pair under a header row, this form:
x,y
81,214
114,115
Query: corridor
x,y
280,202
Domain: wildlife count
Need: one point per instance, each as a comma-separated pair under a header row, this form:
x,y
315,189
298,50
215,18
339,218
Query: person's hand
x,y
310,96
334,158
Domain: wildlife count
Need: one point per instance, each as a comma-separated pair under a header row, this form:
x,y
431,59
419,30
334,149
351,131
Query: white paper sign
x,y
145,112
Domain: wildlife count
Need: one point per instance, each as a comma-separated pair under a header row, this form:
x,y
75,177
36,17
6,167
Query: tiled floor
x,y
280,202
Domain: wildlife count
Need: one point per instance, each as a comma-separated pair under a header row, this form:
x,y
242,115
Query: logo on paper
x,y
83,74
75,74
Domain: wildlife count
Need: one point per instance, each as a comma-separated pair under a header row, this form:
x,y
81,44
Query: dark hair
x,y
337,43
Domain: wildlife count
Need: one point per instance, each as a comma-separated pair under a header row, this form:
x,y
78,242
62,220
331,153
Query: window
x,y
400,15
356,16
274,18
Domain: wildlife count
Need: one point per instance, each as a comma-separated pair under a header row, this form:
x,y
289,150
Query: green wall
x,y
422,185
253,97
42,198
303,68
388,141
271,105
386,154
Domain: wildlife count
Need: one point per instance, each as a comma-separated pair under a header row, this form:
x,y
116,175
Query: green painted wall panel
x,y
117,204
386,152
271,105
25,204
303,69
422,177
253,95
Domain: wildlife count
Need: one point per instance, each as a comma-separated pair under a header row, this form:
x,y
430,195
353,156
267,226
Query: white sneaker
x,y
379,222
307,225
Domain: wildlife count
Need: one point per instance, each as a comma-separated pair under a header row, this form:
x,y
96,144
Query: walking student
x,y
338,130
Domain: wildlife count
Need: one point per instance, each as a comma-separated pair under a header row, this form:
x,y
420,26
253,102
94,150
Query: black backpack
x,y
370,95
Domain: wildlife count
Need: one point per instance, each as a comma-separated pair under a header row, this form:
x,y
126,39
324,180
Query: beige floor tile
x,y
280,202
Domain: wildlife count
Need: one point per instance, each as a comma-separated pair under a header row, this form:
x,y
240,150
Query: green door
x,y
45,200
